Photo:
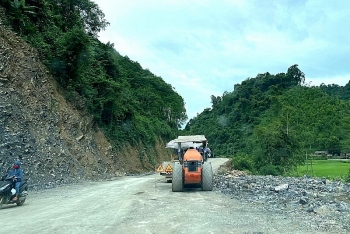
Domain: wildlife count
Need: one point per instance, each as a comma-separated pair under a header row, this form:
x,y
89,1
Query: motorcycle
x,y
8,191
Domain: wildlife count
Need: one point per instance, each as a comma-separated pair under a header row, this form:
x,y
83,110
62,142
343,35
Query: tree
x,y
333,145
128,103
280,149
295,76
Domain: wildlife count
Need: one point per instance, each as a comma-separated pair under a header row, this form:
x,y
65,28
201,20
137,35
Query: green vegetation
x,y
129,103
325,168
242,162
267,123
347,177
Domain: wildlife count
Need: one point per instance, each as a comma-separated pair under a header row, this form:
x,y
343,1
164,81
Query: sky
x,y
205,47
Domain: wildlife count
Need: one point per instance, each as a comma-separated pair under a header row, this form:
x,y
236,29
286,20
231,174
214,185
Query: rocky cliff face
x,y
55,142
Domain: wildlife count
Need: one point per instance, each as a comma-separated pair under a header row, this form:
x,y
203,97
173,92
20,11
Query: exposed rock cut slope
x,y
55,142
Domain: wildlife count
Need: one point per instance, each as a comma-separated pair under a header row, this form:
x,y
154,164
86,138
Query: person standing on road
x,y
200,149
17,173
207,151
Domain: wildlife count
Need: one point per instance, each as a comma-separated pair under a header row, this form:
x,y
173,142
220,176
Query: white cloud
x,y
341,80
204,48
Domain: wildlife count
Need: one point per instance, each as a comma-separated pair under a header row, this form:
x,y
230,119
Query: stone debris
x,y
323,202
281,187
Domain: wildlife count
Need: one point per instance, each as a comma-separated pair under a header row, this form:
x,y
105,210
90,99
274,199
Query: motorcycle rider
x,y
17,173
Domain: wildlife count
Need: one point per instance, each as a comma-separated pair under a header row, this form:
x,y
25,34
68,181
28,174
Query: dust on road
x,y
140,205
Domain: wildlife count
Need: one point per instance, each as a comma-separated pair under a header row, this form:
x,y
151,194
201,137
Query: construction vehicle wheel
x,y
177,183
207,177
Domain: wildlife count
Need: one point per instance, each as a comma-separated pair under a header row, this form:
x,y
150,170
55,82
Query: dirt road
x,y
139,205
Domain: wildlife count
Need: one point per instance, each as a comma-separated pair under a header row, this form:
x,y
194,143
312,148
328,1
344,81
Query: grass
x,y
331,169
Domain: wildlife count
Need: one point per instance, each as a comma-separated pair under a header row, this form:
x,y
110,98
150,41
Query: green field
x,y
331,169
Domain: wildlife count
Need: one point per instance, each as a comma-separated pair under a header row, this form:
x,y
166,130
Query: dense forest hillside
x,y
72,107
129,103
271,121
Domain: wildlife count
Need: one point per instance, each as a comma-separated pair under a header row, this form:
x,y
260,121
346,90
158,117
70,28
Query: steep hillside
x,y
55,142
269,122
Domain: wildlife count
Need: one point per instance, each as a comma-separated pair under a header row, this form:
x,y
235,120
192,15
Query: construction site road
x,y
138,204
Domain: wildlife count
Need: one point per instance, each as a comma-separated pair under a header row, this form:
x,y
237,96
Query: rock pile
x,y
325,203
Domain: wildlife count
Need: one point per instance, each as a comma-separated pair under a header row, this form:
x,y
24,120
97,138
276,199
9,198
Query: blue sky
x,y
205,47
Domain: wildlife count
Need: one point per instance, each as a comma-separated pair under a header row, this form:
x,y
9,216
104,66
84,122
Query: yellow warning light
x,y
168,168
160,168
